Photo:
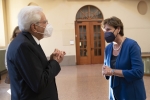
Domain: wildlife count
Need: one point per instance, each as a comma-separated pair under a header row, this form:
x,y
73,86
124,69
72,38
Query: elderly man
x,y
32,76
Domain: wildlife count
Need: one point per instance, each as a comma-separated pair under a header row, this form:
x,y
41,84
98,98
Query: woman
x,y
123,64
15,33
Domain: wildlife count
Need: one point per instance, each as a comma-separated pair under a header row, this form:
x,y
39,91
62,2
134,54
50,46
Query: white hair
x,y
27,16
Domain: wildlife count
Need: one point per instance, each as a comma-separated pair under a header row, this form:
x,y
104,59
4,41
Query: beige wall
x,y
61,14
2,31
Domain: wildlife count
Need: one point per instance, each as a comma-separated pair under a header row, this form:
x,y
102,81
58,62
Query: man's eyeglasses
x,y
44,22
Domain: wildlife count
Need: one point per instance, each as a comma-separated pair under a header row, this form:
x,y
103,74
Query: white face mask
x,y
48,30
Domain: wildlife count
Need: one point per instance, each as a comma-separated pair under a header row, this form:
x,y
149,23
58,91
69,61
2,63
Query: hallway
x,y
81,82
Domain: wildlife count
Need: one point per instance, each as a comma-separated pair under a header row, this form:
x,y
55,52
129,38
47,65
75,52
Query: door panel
x,y
83,43
97,43
89,43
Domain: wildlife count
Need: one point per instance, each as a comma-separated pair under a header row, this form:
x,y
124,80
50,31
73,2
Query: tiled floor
x,y
83,82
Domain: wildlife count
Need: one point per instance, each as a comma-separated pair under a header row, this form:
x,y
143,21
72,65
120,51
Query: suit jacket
x,y
131,86
32,76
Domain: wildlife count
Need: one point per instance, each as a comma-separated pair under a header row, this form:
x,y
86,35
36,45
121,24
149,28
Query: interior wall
x,y
2,31
61,14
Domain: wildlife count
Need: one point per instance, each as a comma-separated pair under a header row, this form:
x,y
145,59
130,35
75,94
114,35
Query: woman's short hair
x,y
114,22
27,16
15,32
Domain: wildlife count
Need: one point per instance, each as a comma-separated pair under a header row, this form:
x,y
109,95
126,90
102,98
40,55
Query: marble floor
x,y
81,82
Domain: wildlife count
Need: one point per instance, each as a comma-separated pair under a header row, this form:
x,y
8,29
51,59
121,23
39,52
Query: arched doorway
x,y
90,42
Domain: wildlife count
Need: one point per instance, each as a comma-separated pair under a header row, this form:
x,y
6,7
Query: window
x,y
89,13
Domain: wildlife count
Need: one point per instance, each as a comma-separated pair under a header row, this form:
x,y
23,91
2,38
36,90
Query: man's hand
x,y
57,55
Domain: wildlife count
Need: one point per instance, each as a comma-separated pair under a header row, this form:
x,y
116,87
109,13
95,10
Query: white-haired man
x,y
32,76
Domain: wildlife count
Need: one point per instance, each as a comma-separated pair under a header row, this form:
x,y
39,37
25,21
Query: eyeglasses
x,y
44,22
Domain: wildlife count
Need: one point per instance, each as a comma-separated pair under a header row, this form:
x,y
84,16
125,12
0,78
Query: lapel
x,y
116,81
120,55
40,51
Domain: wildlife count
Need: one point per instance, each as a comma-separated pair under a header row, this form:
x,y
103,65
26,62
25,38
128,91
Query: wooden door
x,y
97,43
83,48
89,43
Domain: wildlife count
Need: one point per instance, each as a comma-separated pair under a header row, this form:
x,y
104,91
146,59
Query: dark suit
x,y
32,75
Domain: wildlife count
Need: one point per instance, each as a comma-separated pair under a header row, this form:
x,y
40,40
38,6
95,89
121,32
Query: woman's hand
x,y
106,71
